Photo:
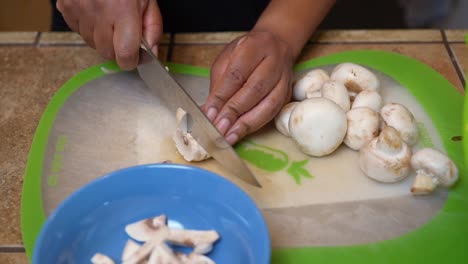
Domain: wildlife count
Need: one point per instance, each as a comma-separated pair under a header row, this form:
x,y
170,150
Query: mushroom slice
x,y
318,126
130,248
144,229
201,241
308,83
336,92
432,168
282,119
386,158
370,99
399,117
194,258
162,254
355,77
101,259
145,250
363,126
185,143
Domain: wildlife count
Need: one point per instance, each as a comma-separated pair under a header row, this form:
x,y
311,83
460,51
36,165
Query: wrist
x,y
293,45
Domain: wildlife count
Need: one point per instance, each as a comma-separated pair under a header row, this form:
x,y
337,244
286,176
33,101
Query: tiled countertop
x,y
34,65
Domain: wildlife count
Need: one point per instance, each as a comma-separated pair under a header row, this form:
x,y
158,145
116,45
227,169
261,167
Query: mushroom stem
x,y
423,183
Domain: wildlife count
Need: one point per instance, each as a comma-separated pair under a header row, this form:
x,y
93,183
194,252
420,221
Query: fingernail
x,y
223,125
154,49
232,138
211,114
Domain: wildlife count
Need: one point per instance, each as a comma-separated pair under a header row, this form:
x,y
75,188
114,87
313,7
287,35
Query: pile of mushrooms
x,y
154,233
345,107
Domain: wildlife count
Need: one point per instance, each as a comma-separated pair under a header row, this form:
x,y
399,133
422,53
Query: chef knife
x,y
158,79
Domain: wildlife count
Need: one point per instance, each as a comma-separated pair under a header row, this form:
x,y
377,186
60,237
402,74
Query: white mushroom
x,y
371,99
399,117
144,229
282,119
187,146
318,126
194,258
363,126
145,250
130,248
336,92
432,168
355,77
101,259
201,241
308,83
386,158
162,254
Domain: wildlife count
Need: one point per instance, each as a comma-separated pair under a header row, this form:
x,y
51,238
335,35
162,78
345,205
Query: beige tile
x,y
29,77
60,38
17,37
206,38
72,38
433,55
197,55
456,35
13,258
461,55
356,36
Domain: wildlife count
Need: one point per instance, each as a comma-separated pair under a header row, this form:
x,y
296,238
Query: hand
x,y
250,82
114,28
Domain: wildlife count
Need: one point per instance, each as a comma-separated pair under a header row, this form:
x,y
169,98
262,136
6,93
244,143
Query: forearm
x,y
293,21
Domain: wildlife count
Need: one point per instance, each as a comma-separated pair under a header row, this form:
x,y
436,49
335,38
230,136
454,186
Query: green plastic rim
x,y
439,241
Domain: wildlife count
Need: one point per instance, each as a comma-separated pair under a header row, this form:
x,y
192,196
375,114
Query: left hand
x,y
250,82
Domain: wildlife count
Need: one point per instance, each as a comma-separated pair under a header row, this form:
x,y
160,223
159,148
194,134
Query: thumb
x,y
152,25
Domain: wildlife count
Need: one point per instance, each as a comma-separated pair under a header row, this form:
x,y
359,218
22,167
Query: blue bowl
x,y
93,218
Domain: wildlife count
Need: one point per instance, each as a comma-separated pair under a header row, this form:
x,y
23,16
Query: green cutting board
x,y
317,209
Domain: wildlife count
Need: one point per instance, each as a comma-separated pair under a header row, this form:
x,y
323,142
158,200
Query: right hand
x,y
114,28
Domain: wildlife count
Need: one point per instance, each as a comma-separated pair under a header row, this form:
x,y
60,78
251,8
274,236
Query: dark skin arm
x,y
251,78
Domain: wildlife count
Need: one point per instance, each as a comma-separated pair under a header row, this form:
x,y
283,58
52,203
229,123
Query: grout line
x,y
454,60
170,50
12,249
324,43
37,38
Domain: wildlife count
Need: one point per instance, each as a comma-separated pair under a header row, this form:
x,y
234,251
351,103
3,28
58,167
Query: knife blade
x,y
161,82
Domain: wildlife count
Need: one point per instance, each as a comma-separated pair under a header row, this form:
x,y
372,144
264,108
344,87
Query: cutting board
x,y
105,119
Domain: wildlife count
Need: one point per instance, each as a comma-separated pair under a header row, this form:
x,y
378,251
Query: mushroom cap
x,y
355,77
318,126
101,259
185,143
314,94
282,119
386,158
144,229
436,164
367,98
336,92
400,118
363,126
308,83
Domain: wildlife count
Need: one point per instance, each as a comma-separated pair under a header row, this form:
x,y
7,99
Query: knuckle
x,y
235,75
258,88
235,108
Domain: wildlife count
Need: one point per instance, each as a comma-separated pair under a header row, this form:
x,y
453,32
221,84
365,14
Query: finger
x,y
264,78
87,21
241,64
65,8
219,66
261,114
152,25
103,39
127,37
